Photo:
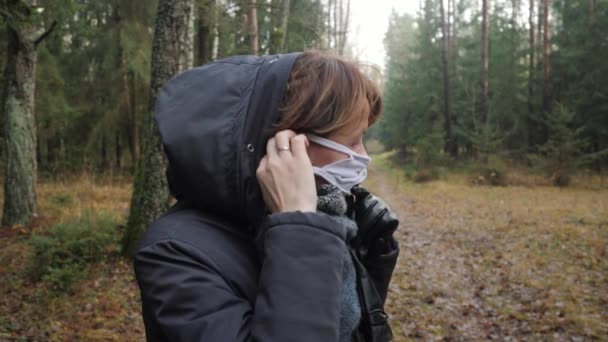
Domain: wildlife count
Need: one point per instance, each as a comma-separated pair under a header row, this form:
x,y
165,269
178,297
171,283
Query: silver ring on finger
x,y
283,148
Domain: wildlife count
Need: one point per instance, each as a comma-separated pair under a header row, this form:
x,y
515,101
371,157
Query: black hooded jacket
x,y
215,267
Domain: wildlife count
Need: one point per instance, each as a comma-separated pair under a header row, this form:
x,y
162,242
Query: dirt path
x,y
460,278
432,277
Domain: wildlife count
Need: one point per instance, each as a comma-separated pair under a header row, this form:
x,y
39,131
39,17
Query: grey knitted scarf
x,y
332,201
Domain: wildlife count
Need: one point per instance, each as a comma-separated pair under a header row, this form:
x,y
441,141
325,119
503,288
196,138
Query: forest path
x,y
496,263
433,280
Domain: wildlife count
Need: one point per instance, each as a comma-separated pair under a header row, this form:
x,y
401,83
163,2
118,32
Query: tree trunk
x,y
253,28
135,142
20,122
329,26
284,24
204,33
484,61
216,32
532,61
172,52
335,26
449,141
514,34
539,31
340,11
531,124
103,166
545,55
118,150
345,28
591,7
449,23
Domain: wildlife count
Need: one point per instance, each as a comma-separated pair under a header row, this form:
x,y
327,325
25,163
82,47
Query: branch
x,y
46,33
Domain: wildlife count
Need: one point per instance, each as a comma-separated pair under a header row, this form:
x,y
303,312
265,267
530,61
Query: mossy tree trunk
x,y
172,52
19,120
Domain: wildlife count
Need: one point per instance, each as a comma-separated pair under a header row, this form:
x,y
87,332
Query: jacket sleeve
x,y
298,295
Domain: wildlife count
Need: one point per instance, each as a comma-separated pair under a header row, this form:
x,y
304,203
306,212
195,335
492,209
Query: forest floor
x,y
476,263
497,263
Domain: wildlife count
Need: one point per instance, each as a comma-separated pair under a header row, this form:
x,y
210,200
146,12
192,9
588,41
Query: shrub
x,y
492,172
60,257
61,279
490,176
564,148
426,175
428,151
61,199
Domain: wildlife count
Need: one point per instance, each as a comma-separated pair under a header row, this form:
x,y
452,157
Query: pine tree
x,y
18,107
172,52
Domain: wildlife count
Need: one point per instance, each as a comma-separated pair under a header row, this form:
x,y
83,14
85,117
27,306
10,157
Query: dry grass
x,y
512,262
104,307
477,262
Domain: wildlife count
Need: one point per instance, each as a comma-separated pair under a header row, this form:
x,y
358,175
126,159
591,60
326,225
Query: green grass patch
x,y
60,257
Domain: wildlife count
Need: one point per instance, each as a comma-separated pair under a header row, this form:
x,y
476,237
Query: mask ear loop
x,y
336,147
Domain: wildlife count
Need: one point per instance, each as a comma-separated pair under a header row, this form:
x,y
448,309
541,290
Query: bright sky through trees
x,y
369,24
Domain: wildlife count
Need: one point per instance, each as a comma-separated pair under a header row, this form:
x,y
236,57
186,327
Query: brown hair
x,y
325,93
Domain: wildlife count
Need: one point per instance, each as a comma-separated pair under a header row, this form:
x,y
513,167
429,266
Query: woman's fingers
x,y
298,147
282,139
286,177
271,149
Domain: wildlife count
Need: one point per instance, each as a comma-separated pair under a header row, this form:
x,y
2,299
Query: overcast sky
x,y
369,24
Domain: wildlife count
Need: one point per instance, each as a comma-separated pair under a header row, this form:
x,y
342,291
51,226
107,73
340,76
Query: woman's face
x,y
349,136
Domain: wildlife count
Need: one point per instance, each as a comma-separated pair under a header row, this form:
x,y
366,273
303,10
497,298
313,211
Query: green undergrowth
x,y
60,256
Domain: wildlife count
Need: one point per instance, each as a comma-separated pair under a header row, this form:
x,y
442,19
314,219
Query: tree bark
x,y
345,23
284,24
135,142
118,150
539,30
19,120
532,125
103,165
449,140
340,11
253,28
204,33
532,60
545,55
591,6
172,52
329,6
335,26
484,61
449,23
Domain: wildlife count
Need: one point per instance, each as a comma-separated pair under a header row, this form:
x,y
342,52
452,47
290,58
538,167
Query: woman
x,y
264,157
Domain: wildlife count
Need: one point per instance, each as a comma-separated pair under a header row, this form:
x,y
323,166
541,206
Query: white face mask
x,y
343,173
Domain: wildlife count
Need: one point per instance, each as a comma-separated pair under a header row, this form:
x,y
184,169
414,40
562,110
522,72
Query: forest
x,y
492,148
492,81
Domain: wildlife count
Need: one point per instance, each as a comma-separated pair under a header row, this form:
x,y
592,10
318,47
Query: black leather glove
x,y
374,244
376,222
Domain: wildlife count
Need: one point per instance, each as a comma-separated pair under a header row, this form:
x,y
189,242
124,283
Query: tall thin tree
x,y
172,52
284,24
484,61
253,28
328,22
545,55
449,139
20,165
532,58
206,17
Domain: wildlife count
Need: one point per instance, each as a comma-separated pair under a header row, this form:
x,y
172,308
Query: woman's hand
x,y
286,176
376,222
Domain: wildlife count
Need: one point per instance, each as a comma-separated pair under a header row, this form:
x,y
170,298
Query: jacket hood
x,y
214,123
